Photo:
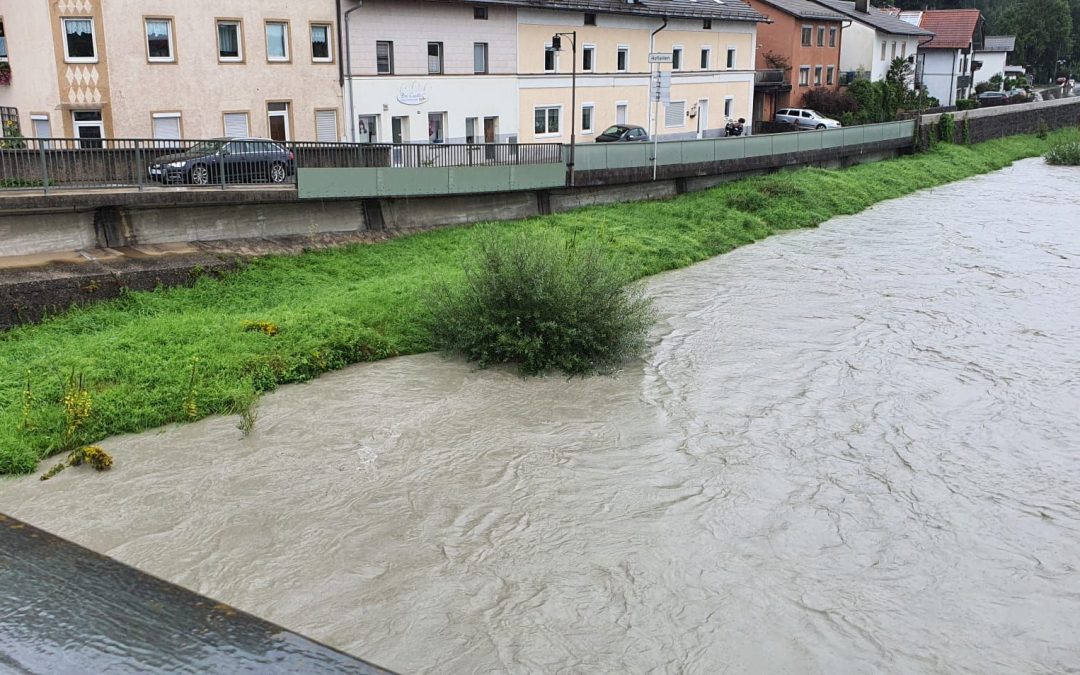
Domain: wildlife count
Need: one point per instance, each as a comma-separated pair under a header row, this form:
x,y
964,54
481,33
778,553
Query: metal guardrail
x,y
770,76
49,164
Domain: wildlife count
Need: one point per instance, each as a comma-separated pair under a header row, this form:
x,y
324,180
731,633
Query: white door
x,y
620,113
326,126
236,125
702,117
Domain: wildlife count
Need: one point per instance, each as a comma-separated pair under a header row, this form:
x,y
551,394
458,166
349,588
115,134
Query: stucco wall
x,y
940,70
993,63
33,89
862,49
784,37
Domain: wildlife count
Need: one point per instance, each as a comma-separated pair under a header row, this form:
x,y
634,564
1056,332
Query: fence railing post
x,y
138,165
44,168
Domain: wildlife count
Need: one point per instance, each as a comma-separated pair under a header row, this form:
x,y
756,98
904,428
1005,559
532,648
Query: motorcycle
x,y
734,128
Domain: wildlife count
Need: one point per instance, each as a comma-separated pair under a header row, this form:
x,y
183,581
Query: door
x,y
806,121
400,129
89,128
621,113
491,134
702,117
278,118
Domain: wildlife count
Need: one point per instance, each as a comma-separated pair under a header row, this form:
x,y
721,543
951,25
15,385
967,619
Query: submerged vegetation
x,y
148,359
1066,153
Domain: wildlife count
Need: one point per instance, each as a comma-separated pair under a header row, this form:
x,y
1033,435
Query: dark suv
x,y
237,160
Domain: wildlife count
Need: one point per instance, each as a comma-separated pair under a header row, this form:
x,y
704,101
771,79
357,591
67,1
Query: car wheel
x,y
277,172
200,175
820,127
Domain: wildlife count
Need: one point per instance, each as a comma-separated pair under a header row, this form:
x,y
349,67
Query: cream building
x,y
443,71
165,69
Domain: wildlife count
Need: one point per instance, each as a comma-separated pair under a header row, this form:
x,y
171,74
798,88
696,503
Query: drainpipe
x,y
653,121
348,72
340,55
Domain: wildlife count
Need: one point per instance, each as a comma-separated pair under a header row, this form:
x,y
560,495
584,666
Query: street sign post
x,y
661,58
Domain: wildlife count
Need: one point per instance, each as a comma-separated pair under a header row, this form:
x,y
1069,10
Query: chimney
x,y
862,6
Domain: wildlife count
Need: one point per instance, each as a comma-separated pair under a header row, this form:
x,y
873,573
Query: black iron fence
x,y
68,163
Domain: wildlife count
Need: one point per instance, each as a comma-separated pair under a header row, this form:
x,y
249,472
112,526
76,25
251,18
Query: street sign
x,y
660,87
661,58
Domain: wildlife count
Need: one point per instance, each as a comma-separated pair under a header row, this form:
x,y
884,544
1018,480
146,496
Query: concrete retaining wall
x,y
985,124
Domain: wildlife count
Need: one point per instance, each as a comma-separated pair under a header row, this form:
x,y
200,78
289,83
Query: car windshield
x,y
208,146
816,114
613,131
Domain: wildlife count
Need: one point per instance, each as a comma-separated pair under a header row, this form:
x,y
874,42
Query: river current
x,y
854,449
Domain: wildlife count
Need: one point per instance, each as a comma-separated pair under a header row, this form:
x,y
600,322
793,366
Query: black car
x,y
237,160
989,98
623,133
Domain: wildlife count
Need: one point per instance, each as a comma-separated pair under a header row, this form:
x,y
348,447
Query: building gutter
x,y
348,69
340,56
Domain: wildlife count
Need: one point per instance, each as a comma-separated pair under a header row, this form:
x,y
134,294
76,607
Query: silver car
x,y
806,118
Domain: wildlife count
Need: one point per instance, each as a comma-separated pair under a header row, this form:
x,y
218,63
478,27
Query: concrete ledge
x,y
64,199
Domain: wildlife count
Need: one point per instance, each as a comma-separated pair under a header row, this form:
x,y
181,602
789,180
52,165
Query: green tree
x,y
1043,30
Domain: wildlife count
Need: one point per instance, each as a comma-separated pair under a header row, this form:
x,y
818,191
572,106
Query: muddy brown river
x,y
854,449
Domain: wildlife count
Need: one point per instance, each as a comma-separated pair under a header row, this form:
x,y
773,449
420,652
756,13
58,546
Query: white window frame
x,y
682,118
247,121
682,59
884,46
329,58
100,124
4,57
618,50
93,39
171,58
486,70
337,124
239,26
590,48
547,107
163,116
804,69
284,39
622,104
802,32
549,48
732,55
830,75
34,119
592,119
706,51
819,72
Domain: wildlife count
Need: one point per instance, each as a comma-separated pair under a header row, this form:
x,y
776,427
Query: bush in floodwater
x,y
1064,154
542,302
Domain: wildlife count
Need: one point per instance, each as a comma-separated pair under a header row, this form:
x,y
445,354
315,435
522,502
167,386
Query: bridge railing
x,y
45,164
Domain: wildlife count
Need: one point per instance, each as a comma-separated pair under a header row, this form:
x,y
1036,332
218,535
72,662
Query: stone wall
x,y
986,124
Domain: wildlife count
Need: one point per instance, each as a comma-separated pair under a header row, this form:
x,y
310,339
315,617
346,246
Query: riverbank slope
x,y
149,359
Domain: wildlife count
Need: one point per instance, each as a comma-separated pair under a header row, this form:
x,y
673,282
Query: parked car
x,y
805,118
237,160
623,133
989,98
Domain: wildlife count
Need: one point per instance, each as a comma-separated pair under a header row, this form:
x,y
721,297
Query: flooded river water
x,y
849,450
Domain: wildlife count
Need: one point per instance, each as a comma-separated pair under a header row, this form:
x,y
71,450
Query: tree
x,y
1043,30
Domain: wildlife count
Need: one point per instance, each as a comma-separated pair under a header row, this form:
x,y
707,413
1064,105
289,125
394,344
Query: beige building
x,y
444,71
166,68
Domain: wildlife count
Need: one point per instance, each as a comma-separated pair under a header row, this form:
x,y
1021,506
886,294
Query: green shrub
x,y
947,128
966,104
1064,154
543,302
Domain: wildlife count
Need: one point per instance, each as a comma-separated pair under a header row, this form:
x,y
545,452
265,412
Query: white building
x,y
874,38
948,63
993,56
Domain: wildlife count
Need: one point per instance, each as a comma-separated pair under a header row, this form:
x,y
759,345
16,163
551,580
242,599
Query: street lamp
x,y
556,45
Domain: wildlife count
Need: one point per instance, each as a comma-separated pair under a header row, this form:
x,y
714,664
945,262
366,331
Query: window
x,y
9,121
676,58
480,57
706,57
229,43
807,32
547,120
882,50
587,118
821,36
804,76
236,124
41,128
88,128
549,59
706,24
320,43
79,44
479,13
675,114
367,129
277,41
436,125
159,41
729,105
832,36
817,76
471,123
829,72
731,57
893,57
590,19
622,60
434,58
326,129
588,58
384,58
3,43
903,49
622,113
166,126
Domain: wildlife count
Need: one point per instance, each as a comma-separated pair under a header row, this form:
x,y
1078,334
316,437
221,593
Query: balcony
x,y
771,80
963,82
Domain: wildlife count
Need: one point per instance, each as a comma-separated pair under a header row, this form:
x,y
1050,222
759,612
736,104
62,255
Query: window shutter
x,y
326,126
167,128
674,114
236,125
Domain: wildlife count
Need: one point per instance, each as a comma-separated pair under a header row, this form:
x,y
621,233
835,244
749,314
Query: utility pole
x,y
556,44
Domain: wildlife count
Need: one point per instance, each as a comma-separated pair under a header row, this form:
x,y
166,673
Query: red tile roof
x,y
952,28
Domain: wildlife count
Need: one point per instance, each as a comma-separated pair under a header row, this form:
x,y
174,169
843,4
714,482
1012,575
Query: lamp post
x,y
556,45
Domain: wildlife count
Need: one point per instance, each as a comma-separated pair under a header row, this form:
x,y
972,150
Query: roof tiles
x,y
952,28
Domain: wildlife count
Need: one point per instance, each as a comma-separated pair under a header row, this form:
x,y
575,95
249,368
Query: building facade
x,y
874,38
993,57
948,63
422,71
163,69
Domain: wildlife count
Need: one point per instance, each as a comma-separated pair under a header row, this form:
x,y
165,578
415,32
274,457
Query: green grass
x,y
1066,153
362,303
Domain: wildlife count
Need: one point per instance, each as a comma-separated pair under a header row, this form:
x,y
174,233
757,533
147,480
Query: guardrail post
x,y
44,168
221,169
138,165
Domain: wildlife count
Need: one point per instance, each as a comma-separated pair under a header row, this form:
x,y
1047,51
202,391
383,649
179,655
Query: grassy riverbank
x,y
148,359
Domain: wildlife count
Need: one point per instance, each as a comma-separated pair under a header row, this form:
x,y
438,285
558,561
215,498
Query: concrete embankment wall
x,y
985,124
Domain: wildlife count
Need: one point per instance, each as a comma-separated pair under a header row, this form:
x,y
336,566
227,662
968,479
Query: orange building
x,y
798,50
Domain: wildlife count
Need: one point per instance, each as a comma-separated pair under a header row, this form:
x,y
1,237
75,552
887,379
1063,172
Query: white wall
x,y
861,48
33,88
993,63
940,70
459,97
